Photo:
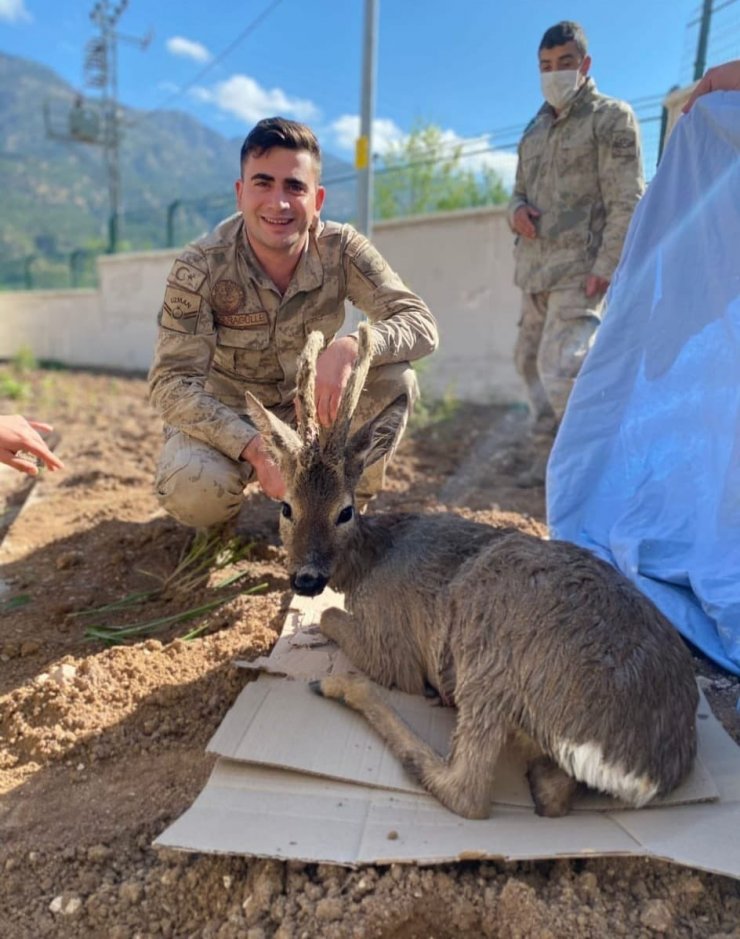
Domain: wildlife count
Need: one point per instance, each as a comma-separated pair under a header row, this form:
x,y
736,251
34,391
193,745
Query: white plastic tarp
x,y
646,467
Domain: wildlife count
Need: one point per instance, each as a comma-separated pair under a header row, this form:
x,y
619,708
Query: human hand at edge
x,y
19,434
596,285
724,77
524,219
333,369
266,470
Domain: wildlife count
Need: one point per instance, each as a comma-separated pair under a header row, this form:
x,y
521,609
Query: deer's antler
x,y
308,425
337,437
292,449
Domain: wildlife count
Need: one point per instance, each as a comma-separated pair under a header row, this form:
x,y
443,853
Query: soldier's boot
x,y
535,474
544,426
542,437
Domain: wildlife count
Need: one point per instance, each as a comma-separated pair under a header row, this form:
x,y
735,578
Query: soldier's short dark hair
x,y
280,132
563,32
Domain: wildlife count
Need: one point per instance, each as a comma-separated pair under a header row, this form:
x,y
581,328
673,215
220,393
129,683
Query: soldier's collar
x,y
581,96
255,268
309,274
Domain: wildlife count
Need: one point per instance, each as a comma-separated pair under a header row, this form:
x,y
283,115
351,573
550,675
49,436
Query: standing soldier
x,y
238,306
579,177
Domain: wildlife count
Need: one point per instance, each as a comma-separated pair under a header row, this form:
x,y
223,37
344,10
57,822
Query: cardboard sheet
x,y
302,651
301,777
325,738
274,813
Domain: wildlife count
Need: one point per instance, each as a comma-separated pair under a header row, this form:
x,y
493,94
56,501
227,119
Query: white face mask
x,y
558,88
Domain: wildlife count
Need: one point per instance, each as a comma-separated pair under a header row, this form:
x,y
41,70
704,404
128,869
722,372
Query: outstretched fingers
x,y
21,445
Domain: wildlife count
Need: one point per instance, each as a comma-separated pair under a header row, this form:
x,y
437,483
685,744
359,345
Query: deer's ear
x,y
283,442
378,436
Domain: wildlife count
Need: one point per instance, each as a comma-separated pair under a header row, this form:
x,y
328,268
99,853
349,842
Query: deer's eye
x,y
286,510
345,515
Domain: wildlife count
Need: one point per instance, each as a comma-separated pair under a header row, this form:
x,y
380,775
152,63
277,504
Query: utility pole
x,y
364,145
101,71
701,46
97,121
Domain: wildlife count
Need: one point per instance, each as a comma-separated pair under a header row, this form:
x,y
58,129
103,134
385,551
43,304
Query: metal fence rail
x,y
184,219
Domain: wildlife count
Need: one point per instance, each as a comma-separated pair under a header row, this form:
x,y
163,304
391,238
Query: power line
x,y
715,9
514,131
248,30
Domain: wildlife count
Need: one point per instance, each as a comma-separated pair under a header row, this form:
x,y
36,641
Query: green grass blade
x,y
15,603
122,604
137,629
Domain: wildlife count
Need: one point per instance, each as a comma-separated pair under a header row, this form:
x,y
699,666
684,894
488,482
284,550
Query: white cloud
x,y
479,153
243,97
187,48
476,153
346,130
504,163
14,11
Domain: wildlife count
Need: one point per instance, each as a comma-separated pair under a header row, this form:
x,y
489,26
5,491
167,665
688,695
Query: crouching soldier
x,y
238,306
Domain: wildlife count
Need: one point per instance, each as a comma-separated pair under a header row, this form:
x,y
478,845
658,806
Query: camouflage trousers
x,y
201,487
556,330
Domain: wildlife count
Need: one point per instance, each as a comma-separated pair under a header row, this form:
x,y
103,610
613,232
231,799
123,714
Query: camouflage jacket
x,y
224,327
583,171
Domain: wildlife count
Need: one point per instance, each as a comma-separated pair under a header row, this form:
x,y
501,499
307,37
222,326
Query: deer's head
x,y
321,467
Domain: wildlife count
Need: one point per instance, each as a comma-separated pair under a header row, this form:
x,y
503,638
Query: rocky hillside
x,y
55,191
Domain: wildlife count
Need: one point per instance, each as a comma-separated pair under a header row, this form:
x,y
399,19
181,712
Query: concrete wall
x,y
460,262
113,326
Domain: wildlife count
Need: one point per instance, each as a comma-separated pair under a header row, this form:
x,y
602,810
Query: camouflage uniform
x,y
583,171
225,329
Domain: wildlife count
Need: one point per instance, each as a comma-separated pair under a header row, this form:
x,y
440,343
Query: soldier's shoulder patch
x,y
227,296
180,309
185,274
367,259
623,145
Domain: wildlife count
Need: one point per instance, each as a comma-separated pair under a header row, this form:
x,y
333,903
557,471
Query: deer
x,y
534,641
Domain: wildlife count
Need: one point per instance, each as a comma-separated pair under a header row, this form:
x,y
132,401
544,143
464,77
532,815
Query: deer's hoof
x,y
551,788
330,687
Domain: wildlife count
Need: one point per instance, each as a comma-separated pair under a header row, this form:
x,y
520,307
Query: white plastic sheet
x,y
646,467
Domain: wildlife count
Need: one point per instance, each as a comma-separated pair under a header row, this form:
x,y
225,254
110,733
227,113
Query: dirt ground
x,y
103,745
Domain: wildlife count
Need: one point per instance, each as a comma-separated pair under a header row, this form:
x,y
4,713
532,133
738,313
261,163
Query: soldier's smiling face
x,y
279,197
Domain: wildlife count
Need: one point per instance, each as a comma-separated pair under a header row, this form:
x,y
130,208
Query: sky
x,y
470,67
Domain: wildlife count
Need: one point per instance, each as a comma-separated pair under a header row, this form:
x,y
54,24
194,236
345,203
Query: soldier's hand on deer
x,y
267,472
332,373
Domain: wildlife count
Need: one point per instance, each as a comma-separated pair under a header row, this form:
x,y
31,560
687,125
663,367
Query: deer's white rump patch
x,y
586,763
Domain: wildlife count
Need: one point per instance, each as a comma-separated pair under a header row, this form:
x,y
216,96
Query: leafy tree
x,y
424,174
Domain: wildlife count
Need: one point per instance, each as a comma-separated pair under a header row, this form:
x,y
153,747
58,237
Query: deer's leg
x,y
551,787
340,626
463,782
370,652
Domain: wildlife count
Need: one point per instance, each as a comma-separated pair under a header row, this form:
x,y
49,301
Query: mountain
x,y
55,191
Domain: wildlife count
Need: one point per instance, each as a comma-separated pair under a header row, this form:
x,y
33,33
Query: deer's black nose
x,y
308,584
